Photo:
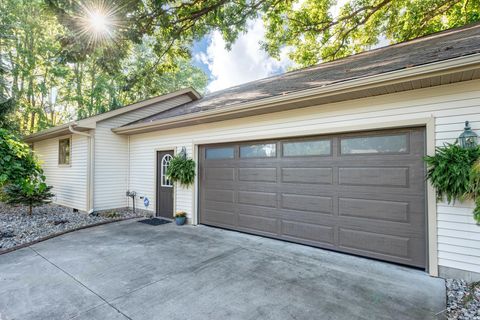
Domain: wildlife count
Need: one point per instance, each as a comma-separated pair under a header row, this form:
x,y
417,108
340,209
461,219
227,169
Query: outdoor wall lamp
x,y
183,153
468,138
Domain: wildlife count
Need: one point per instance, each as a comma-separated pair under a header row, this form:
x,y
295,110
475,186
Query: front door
x,y
164,186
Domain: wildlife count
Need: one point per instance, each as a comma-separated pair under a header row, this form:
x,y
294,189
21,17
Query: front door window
x,y
165,163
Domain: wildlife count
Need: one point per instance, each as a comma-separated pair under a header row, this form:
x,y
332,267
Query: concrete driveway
x,y
130,270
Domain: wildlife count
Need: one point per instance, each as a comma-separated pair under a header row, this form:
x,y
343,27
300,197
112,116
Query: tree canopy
x,y
44,82
321,30
312,30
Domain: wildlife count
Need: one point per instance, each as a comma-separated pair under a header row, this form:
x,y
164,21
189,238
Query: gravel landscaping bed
x,y
463,300
18,227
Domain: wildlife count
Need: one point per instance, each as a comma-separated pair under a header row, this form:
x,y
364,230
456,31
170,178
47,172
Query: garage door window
x,y
219,153
375,144
267,150
307,148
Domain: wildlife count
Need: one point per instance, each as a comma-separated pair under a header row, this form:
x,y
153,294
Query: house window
x,y
165,163
64,151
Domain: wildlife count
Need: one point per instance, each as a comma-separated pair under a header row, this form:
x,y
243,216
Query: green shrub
x,y
181,170
31,192
17,161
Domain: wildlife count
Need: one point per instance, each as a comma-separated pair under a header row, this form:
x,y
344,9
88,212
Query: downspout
x,y
90,164
128,169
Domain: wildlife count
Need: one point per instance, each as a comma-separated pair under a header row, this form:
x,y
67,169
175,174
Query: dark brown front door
x,y
361,193
164,186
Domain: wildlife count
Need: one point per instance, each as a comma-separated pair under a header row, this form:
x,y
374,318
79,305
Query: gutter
x,y
90,164
72,130
412,73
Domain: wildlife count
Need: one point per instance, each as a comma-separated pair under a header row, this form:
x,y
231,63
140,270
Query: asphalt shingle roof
x,y
433,48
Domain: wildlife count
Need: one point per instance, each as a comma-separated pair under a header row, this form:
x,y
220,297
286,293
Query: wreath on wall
x,y
454,171
181,170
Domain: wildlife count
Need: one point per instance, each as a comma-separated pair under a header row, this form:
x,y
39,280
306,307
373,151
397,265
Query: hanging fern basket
x,y
181,170
454,171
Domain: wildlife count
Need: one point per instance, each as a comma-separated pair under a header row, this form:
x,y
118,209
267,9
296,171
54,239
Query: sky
x,y
245,62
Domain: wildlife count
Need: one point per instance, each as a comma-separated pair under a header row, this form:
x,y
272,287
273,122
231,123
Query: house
x,y
328,156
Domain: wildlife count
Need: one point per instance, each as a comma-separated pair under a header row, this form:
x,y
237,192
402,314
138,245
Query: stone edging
x,y
24,245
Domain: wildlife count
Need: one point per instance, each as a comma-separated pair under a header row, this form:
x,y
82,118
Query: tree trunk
x,y
30,209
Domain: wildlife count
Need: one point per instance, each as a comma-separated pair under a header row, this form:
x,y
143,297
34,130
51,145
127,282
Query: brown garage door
x,y
361,193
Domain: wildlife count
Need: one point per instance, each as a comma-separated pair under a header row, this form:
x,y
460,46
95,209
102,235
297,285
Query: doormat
x,y
154,221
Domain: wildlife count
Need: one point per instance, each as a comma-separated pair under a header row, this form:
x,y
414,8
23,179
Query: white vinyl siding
x,y
449,105
69,181
142,174
111,155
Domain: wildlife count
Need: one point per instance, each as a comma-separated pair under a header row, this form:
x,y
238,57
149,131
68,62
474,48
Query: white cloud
x,y
245,62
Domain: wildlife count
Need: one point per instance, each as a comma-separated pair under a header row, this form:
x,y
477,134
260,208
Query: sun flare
x,y
97,22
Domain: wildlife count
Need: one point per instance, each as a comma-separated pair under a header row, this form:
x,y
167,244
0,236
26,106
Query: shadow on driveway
x,y
130,270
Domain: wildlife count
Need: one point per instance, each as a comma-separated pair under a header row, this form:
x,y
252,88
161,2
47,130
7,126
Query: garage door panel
x,y
374,243
253,222
298,231
228,186
213,174
307,175
262,199
258,211
219,206
408,229
225,218
390,192
300,202
374,209
370,204
374,176
257,174
219,195
257,187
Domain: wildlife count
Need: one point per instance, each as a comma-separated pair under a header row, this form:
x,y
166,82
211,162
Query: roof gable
x,y
91,122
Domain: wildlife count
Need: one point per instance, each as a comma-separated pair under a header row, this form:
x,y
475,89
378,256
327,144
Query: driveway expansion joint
x,y
80,283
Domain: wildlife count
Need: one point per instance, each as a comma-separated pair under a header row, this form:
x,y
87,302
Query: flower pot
x,y
180,221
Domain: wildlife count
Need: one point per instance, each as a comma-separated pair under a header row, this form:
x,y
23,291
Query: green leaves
x,y
320,30
455,174
17,161
49,75
181,170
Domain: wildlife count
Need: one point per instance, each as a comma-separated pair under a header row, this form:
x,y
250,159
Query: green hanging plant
x,y
181,170
455,173
475,190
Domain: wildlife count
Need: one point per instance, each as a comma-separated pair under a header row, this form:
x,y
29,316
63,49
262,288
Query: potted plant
x,y
180,217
